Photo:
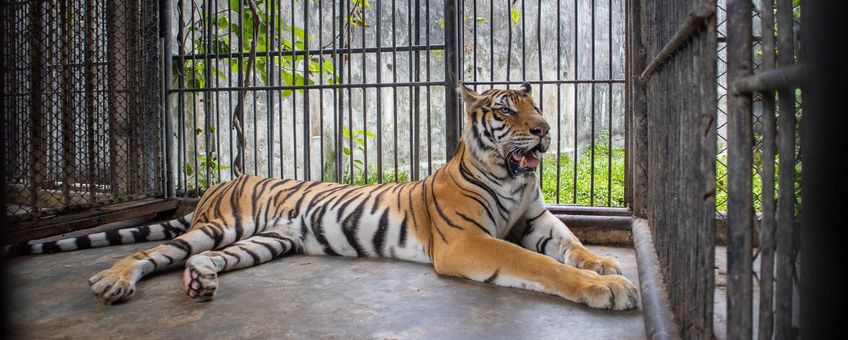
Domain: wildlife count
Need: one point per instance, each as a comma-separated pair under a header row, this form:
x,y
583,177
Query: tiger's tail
x,y
154,232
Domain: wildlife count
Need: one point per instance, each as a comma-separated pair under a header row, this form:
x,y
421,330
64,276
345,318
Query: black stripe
x,y
182,245
141,234
113,237
50,247
493,277
380,235
83,242
350,226
478,225
274,252
402,236
439,208
252,254
318,231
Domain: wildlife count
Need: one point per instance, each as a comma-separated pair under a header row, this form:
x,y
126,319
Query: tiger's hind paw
x,y
200,279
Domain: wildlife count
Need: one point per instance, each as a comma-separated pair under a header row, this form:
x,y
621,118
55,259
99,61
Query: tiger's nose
x,y
541,130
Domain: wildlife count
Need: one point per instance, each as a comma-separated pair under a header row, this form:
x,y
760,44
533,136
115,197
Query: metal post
x,y
453,113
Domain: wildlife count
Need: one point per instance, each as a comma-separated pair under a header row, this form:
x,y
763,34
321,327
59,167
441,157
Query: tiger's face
x,y
505,129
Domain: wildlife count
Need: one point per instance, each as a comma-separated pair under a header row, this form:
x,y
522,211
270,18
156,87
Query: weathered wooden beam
x,y
785,253
766,232
739,171
696,21
31,230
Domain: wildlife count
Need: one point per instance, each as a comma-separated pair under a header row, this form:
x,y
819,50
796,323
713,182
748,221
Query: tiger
x,y
481,217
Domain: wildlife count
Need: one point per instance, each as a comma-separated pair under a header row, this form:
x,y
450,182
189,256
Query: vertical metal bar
x,y
167,60
452,55
416,113
412,122
766,241
592,113
350,102
740,158
786,186
195,154
307,134
68,126
294,92
209,23
394,89
576,99
321,91
510,24
609,107
474,40
36,107
182,181
427,72
541,99
338,95
491,40
558,96
523,43
89,98
269,95
379,93
364,88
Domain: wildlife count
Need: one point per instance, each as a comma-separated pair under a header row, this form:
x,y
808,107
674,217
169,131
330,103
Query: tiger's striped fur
x,y
458,219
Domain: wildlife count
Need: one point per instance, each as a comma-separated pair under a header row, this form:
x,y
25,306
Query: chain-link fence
x,y
80,104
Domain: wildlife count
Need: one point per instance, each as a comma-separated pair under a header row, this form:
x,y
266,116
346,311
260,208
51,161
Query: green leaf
x,y
516,15
481,20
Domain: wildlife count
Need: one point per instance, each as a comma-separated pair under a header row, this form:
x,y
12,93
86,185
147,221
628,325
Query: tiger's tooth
x,y
523,162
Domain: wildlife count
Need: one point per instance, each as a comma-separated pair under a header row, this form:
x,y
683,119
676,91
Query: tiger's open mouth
x,y
525,160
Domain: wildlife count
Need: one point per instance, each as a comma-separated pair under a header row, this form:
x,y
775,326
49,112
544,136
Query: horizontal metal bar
x,y
778,78
697,19
359,50
659,322
546,82
561,209
311,87
605,222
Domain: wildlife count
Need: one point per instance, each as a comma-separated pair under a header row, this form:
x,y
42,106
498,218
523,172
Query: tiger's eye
x,y
505,110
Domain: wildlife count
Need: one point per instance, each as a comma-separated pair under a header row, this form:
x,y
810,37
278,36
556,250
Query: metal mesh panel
x,y
78,81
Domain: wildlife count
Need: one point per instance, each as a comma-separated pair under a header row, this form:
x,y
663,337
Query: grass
x,y
580,190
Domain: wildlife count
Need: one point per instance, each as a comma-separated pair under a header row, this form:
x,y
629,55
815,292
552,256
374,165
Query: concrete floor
x,y
300,297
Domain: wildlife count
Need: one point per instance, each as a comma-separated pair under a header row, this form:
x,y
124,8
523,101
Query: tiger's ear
x,y
472,99
526,88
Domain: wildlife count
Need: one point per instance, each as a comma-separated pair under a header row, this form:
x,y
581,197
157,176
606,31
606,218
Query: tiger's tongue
x,y
526,161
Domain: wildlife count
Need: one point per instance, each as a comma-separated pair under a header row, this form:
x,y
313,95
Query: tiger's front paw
x,y
200,278
584,259
610,292
112,285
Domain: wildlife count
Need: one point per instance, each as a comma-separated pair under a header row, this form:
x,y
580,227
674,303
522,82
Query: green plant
x,y
289,69
579,190
206,163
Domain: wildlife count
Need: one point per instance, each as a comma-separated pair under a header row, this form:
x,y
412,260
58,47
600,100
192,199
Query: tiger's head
x,y
505,130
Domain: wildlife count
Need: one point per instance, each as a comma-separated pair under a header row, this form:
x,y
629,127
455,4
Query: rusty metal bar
x,y
772,79
659,322
698,18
